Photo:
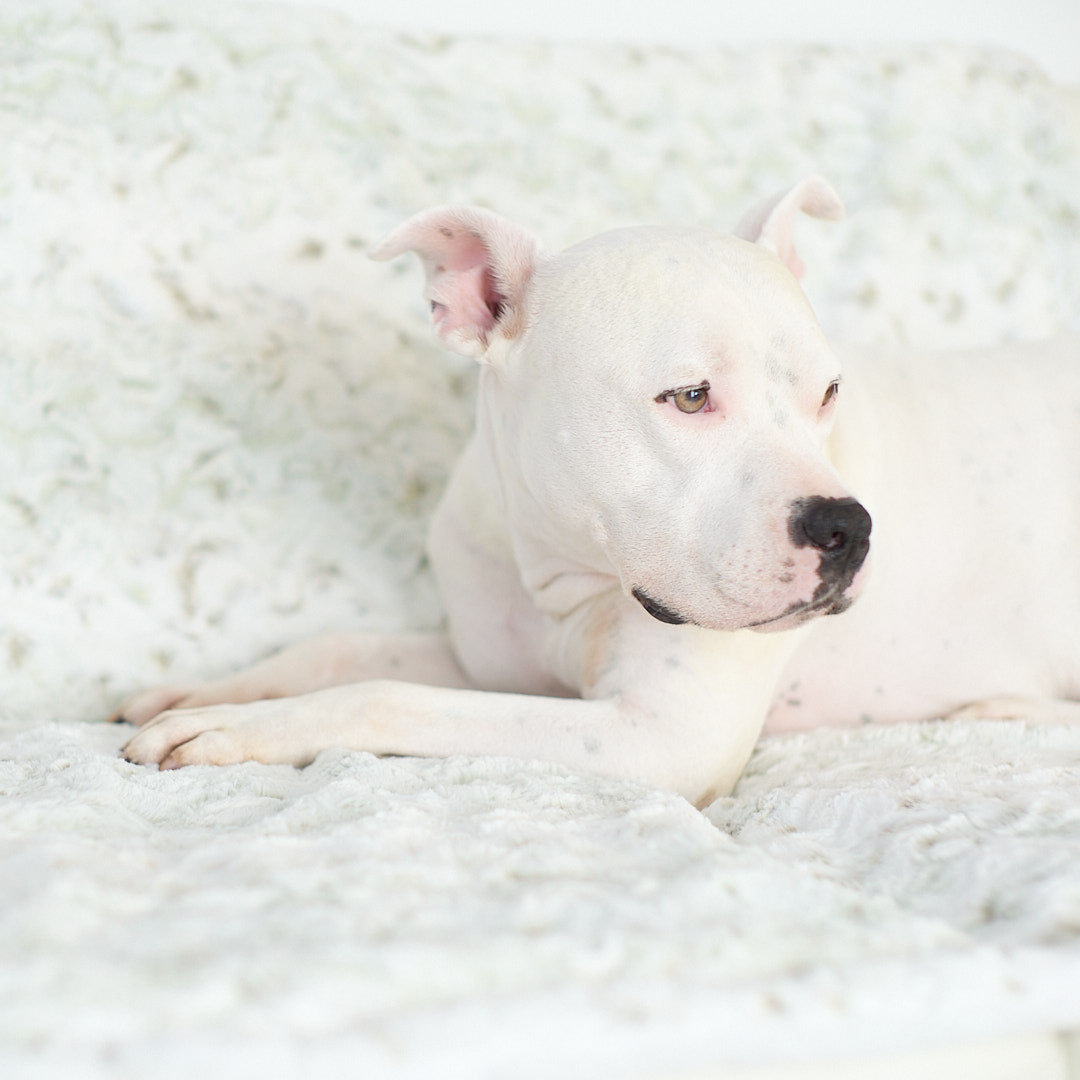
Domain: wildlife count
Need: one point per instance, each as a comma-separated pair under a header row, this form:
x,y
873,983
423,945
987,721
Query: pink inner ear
x,y
466,297
477,267
794,263
464,294
779,231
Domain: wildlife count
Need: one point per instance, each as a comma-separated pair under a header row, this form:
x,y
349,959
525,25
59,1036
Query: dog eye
x,y
690,399
830,394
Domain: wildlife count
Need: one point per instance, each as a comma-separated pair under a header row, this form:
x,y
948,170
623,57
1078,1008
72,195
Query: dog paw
x,y
217,735
1003,708
1030,710
144,706
171,738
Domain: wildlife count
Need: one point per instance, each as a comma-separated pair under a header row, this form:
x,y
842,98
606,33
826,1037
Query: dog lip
x,y
828,600
831,602
658,610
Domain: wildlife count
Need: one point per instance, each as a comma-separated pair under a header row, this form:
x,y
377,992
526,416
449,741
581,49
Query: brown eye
x,y
690,400
830,394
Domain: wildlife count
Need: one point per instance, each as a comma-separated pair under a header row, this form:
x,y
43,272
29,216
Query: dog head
x,y
658,403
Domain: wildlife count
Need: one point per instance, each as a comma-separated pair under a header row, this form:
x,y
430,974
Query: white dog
x,y
640,546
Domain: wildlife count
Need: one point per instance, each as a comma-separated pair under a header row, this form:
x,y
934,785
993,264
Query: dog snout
x,y
838,528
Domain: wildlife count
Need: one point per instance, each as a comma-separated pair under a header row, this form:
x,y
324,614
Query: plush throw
x,y
222,429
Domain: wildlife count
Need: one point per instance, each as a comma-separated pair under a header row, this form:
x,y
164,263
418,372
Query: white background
x,y
1048,30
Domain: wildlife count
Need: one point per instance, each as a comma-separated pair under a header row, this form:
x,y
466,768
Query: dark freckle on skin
x,y
786,579
866,718
672,662
795,702
447,232
778,371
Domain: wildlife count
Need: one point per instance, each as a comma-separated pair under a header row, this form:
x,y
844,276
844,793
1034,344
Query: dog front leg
x,y
325,661
675,707
608,736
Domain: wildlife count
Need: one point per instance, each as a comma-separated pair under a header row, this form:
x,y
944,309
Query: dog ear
x,y
478,268
772,221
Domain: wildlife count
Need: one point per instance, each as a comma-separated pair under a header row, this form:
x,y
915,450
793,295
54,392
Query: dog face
x,y
657,404
668,405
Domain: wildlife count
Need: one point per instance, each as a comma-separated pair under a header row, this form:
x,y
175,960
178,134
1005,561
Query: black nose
x,y
838,528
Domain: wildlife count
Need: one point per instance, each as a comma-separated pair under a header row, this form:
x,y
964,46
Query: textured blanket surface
x,y
222,428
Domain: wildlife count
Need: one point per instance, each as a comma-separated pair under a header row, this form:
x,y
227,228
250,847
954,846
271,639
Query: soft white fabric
x,y
222,429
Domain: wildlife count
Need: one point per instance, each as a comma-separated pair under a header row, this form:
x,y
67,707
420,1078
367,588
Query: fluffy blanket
x,y
222,428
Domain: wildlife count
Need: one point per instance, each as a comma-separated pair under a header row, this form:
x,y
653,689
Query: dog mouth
x,y
658,610
831,601
830,598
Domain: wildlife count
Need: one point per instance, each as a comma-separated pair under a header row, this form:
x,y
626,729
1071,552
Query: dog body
x,y
970,466
643,548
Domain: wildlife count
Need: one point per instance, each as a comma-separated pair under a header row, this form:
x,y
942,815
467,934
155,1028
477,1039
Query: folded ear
x,y
772,221
478,268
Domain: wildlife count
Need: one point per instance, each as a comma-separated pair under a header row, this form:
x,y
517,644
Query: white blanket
x,y
222,429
